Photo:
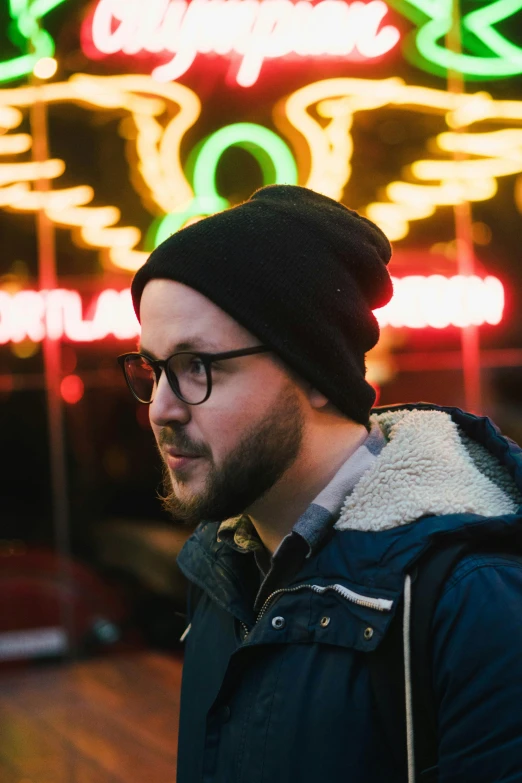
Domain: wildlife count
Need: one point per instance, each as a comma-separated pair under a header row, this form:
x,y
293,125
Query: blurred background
x,y
120,122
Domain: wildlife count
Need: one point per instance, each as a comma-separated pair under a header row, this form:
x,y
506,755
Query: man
x,y
313,513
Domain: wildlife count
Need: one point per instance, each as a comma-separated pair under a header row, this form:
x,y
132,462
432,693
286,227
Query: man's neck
x,y
276,513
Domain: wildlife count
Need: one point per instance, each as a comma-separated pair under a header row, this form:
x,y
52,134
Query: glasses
x,y
189,374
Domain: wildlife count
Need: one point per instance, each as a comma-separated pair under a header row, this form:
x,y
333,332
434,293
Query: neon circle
x,y
271,153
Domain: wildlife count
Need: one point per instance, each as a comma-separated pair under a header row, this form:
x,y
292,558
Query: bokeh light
x,y
45,68
72,389
482,233
25,349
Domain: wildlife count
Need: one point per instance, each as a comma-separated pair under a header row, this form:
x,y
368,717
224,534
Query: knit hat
x,y
298,270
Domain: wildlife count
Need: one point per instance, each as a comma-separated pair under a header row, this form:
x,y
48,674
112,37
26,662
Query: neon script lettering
x,y
256,30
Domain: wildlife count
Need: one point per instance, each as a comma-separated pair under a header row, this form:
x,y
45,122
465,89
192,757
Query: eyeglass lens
x,y
186,372
141,377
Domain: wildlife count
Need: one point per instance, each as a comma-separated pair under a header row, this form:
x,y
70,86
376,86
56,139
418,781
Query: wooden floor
x,y
113,720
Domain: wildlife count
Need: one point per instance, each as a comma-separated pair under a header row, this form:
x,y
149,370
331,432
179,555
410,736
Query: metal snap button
x,y
325,622
278,623
368,634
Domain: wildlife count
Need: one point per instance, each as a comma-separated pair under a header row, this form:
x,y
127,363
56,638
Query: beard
x,y
264,453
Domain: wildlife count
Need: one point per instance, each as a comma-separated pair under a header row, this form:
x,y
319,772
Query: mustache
x,y
173,438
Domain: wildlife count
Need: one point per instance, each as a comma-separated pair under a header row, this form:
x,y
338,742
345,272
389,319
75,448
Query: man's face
x,y
223,455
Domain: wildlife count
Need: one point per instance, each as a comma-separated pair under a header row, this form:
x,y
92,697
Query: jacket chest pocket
x,y
327,617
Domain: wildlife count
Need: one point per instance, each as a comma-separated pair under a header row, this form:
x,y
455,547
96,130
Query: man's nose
x,y
166,407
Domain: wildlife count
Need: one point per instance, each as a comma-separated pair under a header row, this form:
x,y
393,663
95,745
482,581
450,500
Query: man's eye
x,y
197,367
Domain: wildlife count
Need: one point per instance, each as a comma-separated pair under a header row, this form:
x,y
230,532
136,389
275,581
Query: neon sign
x,y
27,33
492,56
156,118
154,142
324,114
58,314
438,302
417,302
254,30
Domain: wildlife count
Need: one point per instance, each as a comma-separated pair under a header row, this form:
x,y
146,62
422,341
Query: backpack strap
x,y
427,589
387,661
387,666
428,581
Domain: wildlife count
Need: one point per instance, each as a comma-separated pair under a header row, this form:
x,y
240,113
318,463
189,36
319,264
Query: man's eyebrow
x,y
196,344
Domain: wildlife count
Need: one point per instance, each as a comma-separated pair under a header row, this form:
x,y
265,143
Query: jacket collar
x,y
430,467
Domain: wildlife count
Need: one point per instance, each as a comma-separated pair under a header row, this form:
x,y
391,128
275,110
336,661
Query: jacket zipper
x,y
379,604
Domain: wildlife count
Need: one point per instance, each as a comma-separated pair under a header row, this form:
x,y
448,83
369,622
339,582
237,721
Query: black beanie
x,y
298,270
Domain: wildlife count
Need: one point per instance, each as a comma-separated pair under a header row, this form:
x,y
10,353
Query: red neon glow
x,y
418,302
437,301
72,389
256,30
33,315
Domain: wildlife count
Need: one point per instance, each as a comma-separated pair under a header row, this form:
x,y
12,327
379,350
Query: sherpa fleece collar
x,y
429,467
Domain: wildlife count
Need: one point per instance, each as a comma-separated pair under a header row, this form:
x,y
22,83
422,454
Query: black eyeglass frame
x,y
207,359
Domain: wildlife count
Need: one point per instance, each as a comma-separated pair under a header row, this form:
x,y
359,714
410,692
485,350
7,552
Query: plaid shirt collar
x,y
240,534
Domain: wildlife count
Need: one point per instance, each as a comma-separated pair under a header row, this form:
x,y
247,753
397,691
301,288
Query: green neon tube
x,y
425,47
270,151
26,16
17,7
507,63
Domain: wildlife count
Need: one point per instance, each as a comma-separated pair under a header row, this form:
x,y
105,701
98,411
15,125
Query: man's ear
x,y
316,398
